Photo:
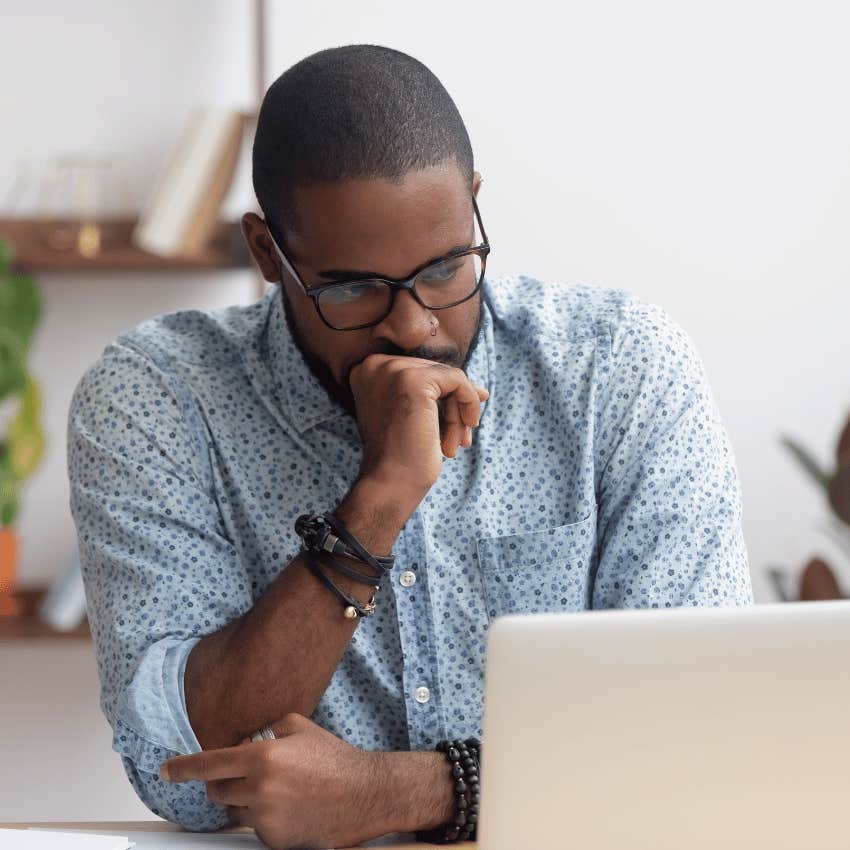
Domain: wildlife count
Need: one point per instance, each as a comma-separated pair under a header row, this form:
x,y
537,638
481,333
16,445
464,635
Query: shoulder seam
x,y
188,408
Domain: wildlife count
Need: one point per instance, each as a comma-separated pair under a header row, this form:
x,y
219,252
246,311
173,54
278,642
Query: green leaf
x,y
20,453
20,306
8,489
13,370
26,438
8,509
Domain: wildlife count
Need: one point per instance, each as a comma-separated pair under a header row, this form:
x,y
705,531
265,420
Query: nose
x,y
408,324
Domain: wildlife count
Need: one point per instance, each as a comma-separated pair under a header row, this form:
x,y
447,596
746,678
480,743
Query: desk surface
x,y
120,827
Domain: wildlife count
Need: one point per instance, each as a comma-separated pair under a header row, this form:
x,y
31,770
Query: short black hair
x,y
358,111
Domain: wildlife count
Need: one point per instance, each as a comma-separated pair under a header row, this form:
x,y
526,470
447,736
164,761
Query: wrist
x,y
395,492
415,790
375,512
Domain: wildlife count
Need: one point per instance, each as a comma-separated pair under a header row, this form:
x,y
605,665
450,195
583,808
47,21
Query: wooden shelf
x,y
49,245
27,626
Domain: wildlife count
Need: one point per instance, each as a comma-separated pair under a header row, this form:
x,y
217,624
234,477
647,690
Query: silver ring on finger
x,y
264,734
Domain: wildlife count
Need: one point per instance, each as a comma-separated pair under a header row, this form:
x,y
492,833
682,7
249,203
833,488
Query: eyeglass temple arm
x,y
287,265
480,223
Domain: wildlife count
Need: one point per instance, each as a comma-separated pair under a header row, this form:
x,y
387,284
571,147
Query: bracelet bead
x,y
463,758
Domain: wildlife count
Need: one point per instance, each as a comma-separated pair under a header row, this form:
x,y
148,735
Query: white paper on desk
x,y
30,839
206,840
174,841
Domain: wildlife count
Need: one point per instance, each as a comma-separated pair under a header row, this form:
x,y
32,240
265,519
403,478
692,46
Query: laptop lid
x,y
685,729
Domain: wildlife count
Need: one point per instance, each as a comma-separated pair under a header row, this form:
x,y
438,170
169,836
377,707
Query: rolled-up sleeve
x,y
670,507
154,555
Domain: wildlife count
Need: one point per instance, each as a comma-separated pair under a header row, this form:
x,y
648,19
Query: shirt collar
x,y
479,368
304,401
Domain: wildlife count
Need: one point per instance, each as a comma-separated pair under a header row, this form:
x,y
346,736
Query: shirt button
x,y
422,694
407,578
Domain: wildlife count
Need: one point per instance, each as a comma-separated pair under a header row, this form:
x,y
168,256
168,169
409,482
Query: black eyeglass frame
x,y
395,285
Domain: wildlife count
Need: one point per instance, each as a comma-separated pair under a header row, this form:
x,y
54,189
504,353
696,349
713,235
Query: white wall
x,y
56,759
695,153
116,78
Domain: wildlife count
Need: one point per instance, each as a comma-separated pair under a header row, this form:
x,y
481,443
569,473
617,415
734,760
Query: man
x,y
517,446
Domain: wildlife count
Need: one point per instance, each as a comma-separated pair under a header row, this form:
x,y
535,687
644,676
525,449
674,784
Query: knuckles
x,y
267,757
289,723
264,788
401,374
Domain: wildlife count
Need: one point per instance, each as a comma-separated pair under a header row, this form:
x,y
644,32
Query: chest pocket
x,y
545,571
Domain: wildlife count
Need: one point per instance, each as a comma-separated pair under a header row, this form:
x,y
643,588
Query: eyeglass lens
x,y
368,301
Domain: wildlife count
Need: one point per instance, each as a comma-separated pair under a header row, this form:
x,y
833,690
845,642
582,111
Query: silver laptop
x,y
687,729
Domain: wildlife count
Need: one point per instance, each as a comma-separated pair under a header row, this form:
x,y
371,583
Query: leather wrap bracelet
x,y
352,608
322,536
326,533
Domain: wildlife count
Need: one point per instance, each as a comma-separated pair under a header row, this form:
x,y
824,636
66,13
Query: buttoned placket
x,y
416,632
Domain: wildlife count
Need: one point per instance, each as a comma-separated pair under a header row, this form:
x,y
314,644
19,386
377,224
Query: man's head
x,y
362,164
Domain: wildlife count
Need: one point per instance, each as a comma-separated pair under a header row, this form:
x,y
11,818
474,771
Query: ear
x,y
476,183
259,243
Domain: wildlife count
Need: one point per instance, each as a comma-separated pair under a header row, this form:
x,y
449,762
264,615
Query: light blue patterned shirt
x,y
601,476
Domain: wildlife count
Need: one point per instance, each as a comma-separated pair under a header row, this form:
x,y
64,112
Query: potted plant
x,y
819,579
21,435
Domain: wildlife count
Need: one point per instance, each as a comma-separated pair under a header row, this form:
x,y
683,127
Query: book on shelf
x,y
184,205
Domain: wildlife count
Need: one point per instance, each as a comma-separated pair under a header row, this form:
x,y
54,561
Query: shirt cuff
x,y
151,723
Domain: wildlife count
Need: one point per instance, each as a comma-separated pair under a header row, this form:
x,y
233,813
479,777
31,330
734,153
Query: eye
x,y
442,271
353,293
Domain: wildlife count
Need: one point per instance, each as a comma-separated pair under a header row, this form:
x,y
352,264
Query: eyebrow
x,y
348,274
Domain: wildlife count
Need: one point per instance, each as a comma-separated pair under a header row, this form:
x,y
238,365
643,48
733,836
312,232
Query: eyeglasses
x,y
362,302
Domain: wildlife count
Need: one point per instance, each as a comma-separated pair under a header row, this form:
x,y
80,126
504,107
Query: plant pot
x,y
8,570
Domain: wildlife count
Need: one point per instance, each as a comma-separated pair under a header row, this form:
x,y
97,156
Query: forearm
x,y
279,657
417,791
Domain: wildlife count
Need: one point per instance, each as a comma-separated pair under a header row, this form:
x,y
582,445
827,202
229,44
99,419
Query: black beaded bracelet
x,y
464,757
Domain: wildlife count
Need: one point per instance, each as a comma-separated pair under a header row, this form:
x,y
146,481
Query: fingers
x,y
229,792
457,428
458,398
462,412
227,763
289,724
281,728
453,382
467,398
239,815
445,380
453,432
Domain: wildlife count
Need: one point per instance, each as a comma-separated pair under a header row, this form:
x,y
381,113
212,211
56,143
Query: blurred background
x,y
694,153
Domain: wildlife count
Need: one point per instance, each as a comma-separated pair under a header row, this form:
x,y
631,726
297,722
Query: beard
x,y
341,393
